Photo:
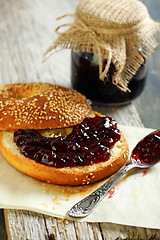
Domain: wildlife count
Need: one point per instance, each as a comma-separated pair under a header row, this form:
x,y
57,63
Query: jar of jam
x,y
110,42
85,79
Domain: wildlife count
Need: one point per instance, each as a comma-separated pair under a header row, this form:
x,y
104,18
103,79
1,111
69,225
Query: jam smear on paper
x,y
144,173
111,192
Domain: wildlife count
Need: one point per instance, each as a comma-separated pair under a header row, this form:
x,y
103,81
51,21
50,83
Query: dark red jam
x,y
148,149
89,142
85,79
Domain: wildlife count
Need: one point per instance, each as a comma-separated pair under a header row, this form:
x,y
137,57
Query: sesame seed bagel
x,y
40,106
78,175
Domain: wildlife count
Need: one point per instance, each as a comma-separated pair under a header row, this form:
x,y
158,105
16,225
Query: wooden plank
x,y
114,231
25,225
151,96
126,115
3,235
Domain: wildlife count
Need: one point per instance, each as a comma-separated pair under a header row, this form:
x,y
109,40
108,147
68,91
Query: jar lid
x,y
120,31
111,14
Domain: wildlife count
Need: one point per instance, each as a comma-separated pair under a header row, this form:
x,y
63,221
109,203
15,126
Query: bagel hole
x,y
26,94
20,93
55,132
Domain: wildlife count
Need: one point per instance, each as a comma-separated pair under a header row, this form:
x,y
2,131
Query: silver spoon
x,y
144,155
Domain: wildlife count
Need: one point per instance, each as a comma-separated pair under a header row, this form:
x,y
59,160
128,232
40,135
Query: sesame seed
x,y
50,102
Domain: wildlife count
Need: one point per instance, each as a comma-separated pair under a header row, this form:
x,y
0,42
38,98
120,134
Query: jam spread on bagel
x,y
89,142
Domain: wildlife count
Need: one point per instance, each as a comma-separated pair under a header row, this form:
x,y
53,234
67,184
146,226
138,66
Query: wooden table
x,y
26,30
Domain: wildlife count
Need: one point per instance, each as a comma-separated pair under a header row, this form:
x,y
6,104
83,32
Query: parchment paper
x,y
134,200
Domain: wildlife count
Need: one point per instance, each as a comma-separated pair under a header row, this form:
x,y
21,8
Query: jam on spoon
x,y
88,143
144,155
147,151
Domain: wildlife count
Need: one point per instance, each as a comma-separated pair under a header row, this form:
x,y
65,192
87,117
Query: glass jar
x,y
85,79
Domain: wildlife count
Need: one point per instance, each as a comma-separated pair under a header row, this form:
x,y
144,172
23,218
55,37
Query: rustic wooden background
x,y
26,30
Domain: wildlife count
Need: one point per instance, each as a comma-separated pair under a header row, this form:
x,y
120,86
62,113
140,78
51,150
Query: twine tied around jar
x,y
100,43
121,32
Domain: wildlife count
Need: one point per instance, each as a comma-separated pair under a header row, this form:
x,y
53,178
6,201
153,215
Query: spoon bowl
x,y
145,154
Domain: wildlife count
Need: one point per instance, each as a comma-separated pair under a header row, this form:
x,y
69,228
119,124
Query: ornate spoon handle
x,y
86,205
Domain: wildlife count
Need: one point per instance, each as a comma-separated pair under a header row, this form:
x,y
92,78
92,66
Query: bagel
x,y
40,106
64,175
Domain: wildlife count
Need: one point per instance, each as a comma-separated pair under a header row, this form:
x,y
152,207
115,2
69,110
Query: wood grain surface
x,y
26,30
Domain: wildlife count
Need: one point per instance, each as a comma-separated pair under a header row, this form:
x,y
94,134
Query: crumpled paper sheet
x,y
134,200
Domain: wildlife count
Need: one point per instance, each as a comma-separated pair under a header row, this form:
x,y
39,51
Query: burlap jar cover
x,y
120,31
